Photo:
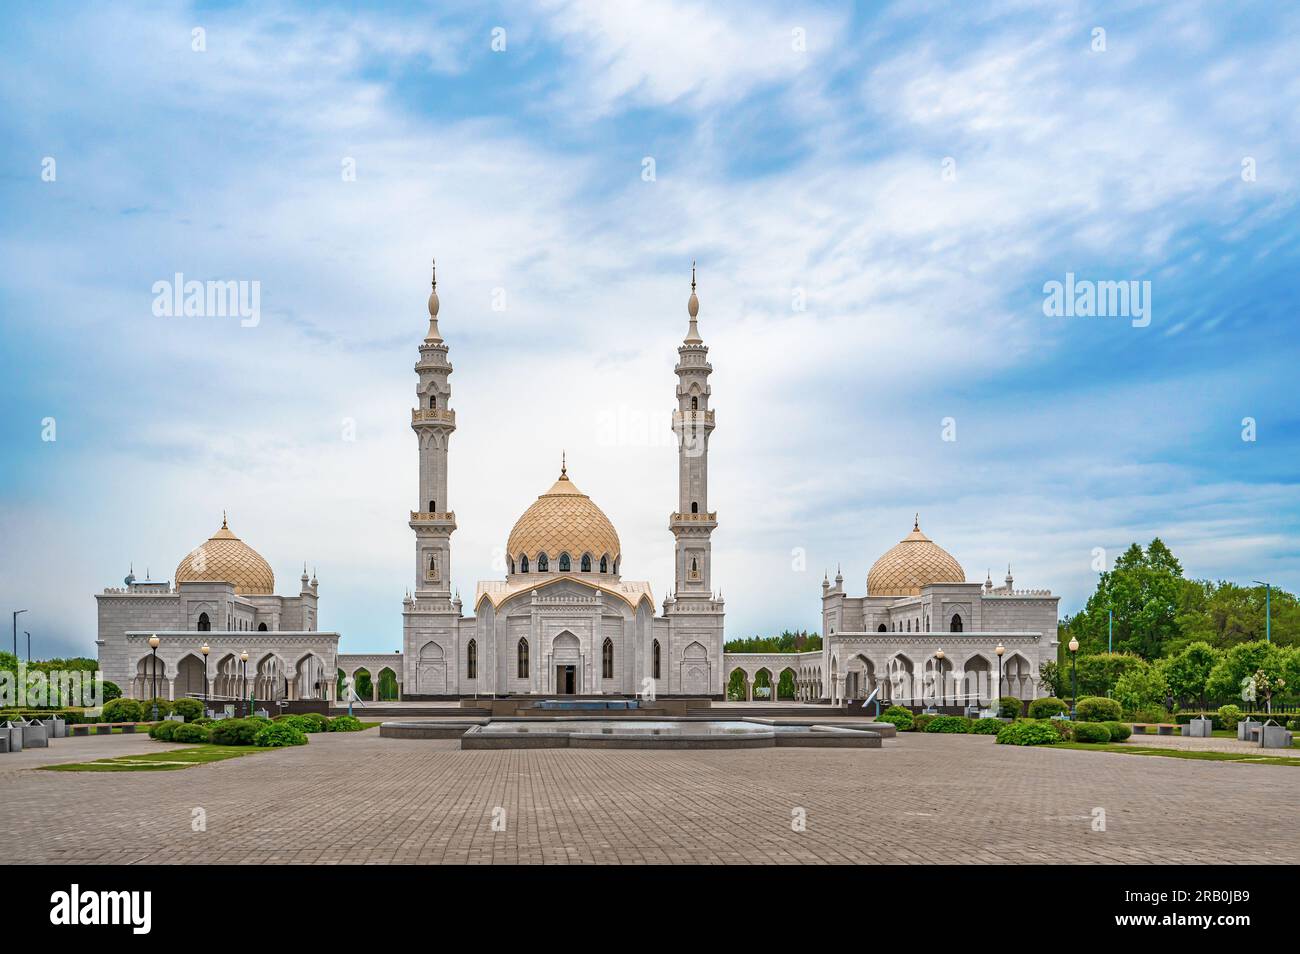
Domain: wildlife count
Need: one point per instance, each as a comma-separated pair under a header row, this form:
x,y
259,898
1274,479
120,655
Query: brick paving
x,y
357,798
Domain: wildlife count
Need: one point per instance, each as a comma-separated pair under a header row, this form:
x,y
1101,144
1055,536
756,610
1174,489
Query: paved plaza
x,y
357,798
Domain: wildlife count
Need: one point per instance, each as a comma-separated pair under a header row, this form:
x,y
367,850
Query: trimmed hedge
x,y
191,709
899,717
986,726
1091,732
1047,707
164,708
345,723
948,723
920,721
306,722
1027,732
163,731
279,734
234,731
1119,731
1010,707
1098,709
122,710
190,732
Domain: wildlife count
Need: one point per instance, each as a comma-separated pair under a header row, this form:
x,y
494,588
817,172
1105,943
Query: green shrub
x,y
189,732
122,710
899,717
1091,732
260,720
111,690
345,723
315,722
234,731
986,726
164,708
1293,724
1063,728
277,734
1119,731
191,709
921,720
1027,732
203,720
948,723
1150,715
1229,716
163,731
1097,709
1047,707
1009,707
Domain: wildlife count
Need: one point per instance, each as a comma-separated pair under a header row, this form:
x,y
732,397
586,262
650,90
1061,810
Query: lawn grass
x,y
159,761
1131,748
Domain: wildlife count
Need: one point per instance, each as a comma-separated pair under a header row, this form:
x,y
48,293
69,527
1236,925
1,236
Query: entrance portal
x,y
566,680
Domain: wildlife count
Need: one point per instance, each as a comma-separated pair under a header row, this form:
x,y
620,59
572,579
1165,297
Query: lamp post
x,y
1074,675
999,651
205,649
1268,610
16,612
243,671
938,672
29,646
153,673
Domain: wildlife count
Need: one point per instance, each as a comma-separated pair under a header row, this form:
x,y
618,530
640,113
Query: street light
x,y
153,672
938,671
1074,675
1268,610
243,670
205,649
1000,650
16,612
29,646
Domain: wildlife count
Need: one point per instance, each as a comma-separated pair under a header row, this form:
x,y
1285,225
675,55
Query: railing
x,y
696,517
692,417
442,415
441,516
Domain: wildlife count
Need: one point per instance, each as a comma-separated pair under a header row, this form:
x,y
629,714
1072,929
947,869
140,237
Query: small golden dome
x,y
564,520
224,558
911,564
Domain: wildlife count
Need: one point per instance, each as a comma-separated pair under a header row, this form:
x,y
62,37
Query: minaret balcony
x,y
694,518
433,517
433,415
692,417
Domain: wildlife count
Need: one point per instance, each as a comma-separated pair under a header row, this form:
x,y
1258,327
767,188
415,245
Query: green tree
x,y
1142,687
1188,671
1224,614
1143,589
1241,661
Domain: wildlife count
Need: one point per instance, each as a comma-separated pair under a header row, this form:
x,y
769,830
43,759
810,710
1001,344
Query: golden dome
x,y
564,520
224,558
911,564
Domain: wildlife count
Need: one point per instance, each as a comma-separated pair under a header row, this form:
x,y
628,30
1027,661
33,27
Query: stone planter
x,y
1244,730
1274,736
1199,728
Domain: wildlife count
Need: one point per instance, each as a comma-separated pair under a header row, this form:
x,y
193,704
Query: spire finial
x,y
564,465
223,520
434,305
693,309
916,522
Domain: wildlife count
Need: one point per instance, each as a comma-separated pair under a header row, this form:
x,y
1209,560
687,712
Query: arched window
x,y
927,622
471,660
607,659
541,563
205,624
523,563
695,404
909,626
433,506
955,625
695,569
586,563
564,563
654,658
512,564
521,659
433,400
604,564
261,627
695,506
881,628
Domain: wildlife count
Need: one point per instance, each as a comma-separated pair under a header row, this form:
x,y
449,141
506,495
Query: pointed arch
x,y
542,563
607,659
604,563
471,659
521,658
655,662
566,564
586,563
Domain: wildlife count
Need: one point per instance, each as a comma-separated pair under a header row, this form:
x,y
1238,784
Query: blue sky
x,y
799,153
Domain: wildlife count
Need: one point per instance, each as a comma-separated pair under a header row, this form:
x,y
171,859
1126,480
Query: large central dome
x,y
224,558
914,562
564,520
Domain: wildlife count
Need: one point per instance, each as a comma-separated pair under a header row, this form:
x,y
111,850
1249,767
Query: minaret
x,y
692,524
433,421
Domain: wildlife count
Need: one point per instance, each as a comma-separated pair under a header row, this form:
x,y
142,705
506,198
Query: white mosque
x,y
565,620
